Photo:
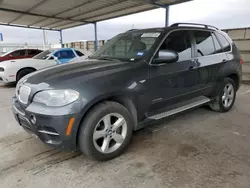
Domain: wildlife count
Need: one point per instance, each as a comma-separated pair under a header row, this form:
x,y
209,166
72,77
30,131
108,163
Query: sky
x,y
220,13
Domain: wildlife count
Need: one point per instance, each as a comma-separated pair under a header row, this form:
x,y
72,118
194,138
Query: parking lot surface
x,y
199,148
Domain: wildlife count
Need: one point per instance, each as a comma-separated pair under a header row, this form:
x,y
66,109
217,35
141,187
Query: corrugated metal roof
x,y
63,14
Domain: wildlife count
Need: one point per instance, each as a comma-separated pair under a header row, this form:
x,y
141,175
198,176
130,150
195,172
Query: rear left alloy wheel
x,y
226,96
106,131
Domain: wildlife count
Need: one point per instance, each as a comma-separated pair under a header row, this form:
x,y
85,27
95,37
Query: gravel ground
x,y
199,148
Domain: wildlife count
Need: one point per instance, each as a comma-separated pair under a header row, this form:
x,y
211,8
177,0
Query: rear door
x,y
172,83
210,56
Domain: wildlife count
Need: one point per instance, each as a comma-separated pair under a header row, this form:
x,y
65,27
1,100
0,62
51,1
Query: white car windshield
x,y
6,53
43,55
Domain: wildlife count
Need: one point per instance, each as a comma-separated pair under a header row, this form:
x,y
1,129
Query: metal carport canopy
x,y
63,14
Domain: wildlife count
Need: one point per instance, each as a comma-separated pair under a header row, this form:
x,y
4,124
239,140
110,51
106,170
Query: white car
x,y
14,70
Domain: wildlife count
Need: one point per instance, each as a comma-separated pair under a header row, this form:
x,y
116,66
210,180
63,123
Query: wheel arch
x,y
24,69
126,101
235,77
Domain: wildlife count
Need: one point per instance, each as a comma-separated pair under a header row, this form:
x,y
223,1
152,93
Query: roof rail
x,y
195,24
132,30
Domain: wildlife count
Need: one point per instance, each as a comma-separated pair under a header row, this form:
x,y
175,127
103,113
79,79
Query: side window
x,y
224,42
22,52
33,52
204,43
217,44
18,53
66,54
178,41
79,53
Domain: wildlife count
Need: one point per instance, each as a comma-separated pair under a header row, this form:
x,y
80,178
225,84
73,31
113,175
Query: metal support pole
x,y
167,16
61,39
96,40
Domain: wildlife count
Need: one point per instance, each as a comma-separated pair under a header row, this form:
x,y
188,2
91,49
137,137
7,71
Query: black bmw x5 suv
x,y
136,78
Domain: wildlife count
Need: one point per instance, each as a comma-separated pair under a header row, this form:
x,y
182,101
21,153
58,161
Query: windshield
x,y
6,53
43,55
130,46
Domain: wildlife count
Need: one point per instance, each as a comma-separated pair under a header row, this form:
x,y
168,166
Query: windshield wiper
x,y
108,58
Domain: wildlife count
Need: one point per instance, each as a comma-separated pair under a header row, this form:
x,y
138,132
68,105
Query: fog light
x,y
33,119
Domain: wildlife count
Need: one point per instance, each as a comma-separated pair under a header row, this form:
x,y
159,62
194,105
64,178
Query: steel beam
x,y
61,39
28,27
154,2
96,40
167,16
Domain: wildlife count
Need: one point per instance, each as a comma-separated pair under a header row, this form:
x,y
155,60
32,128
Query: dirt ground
x,y
199,148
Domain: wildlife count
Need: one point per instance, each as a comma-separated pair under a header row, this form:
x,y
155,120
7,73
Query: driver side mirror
x,y
166,56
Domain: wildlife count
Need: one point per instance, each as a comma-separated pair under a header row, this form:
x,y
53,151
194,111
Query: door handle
x,y
192,67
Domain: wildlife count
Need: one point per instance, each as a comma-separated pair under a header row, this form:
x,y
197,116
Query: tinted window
x,y
178,41
204,43
79,53
217,44
33,52
65,54
224,43
18,53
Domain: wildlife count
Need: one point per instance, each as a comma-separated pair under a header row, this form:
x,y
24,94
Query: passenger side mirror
x,y
10,55
166,56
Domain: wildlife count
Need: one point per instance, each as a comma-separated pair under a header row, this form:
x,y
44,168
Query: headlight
x,y
1,69
56,98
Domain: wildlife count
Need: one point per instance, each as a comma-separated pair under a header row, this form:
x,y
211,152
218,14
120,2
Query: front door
x,y
175,82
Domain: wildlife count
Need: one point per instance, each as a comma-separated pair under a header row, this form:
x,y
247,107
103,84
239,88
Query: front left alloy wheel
x,y
106,131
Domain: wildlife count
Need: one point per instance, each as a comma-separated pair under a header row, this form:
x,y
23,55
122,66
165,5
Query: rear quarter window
x,y
226,47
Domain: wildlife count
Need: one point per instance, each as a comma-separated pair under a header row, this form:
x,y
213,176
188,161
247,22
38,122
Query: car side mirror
x,y
166,56
10,55
53,58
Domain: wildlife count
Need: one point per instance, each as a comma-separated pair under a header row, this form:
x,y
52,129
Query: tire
x,y
95,123
23,73
219,104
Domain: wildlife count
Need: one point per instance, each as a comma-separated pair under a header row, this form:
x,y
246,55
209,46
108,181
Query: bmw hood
x,y
74,73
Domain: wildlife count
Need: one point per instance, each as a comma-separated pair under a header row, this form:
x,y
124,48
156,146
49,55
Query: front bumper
x,y
50,129
3,79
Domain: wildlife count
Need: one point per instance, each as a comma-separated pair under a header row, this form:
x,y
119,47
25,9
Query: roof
x,y
63,14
